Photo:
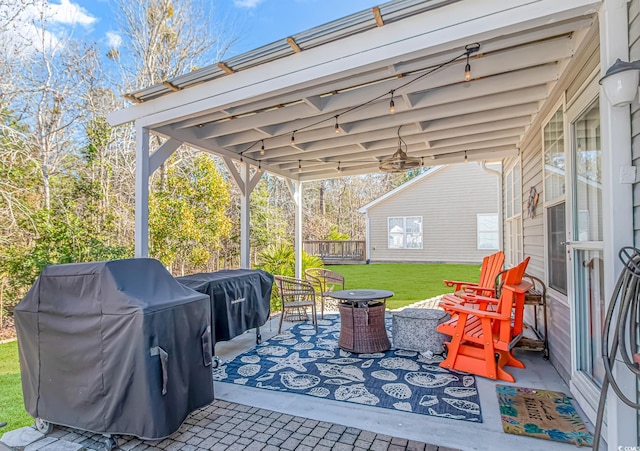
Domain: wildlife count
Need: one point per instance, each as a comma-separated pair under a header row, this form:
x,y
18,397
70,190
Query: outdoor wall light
x,y
620,83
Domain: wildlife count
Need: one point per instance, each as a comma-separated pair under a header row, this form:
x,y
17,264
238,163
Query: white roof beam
x,y
518,38
254,120
191,140
468,138
482,117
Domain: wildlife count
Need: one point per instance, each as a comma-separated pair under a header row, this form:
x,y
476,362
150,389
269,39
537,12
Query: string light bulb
x,y
469,49
392,104
299,167
293,138
465,156
262,148
467,70
339,169
337,127
259,167
241,159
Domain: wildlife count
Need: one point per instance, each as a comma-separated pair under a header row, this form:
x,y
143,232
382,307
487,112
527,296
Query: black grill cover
x,y
240,299
115,347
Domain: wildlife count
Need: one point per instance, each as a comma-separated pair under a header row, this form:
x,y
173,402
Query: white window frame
x,y
562,198
479,232
404,233
514,252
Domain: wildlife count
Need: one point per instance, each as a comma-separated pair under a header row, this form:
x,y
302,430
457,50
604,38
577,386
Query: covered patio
x,y
334,101
446,82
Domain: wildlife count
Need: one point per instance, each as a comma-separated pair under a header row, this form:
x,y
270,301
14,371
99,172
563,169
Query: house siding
x,y
448,201
534,237
634,54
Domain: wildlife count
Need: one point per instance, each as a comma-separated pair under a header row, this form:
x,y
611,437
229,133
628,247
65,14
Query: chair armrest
x,y
450,299
479,299
457,284
479,313
522,287
477,289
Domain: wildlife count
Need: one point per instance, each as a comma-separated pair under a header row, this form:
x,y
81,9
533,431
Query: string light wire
x,y
469,49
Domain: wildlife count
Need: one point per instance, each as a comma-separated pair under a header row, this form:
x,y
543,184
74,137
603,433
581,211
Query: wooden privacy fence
x,y
333,251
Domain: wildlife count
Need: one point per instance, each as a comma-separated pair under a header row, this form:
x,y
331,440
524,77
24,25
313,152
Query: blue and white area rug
x,y
301,361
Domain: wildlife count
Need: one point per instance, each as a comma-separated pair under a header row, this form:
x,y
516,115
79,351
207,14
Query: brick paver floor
x,y
228,426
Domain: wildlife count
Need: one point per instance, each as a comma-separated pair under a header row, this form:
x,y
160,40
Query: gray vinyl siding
x,y
634,54
534,236
448,201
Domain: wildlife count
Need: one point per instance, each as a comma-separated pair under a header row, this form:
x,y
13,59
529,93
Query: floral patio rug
x,y
541,413
301,361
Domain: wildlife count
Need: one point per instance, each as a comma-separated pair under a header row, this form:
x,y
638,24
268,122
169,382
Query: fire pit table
x,y
362,328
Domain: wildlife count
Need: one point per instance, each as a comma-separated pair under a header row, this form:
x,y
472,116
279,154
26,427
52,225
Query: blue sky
x,y
258,22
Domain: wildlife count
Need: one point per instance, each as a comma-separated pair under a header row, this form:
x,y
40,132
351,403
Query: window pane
x,y
396,233
509,194
553,135
589,273
414,225
517,191
588,168
487,231
414,233
557,235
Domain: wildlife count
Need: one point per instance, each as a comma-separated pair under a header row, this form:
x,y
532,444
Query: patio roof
x,y
348,67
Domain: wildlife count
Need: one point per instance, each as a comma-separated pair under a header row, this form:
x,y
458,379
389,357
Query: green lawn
x,y
11,403
409,282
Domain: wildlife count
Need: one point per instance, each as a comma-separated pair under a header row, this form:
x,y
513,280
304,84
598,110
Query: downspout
x,y
498,174
367,237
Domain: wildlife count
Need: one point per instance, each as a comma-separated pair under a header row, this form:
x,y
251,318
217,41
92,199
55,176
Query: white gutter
x,y
498,174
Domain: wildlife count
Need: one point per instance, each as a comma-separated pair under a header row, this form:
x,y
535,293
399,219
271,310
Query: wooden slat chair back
x,y
296,295
325,281
482,339
491,267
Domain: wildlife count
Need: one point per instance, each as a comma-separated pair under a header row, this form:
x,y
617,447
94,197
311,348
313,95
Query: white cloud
x,y
247,3
22,29
114,40
68,13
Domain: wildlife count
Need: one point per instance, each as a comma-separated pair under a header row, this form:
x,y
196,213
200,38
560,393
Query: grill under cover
x,y
116,347
240,299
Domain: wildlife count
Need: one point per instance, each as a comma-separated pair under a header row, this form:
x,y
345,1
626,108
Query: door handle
x,y
566,243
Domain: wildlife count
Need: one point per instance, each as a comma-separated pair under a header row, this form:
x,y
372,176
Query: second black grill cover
x,y
240,299
115,347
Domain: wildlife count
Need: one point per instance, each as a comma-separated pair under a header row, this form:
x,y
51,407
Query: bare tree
x,y
166,38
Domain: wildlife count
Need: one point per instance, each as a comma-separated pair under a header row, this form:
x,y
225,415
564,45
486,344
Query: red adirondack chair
x,y
482,337
491,267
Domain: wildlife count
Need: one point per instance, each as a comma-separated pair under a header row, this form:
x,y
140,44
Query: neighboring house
x,y
446,214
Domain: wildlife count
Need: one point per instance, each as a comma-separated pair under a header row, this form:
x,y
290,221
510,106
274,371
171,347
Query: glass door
x,y
585,250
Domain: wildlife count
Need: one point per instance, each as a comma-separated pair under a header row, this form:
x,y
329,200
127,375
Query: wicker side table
x,y
362,329
414,329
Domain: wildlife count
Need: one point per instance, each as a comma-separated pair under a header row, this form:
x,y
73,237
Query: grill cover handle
x,y
164,360
207,349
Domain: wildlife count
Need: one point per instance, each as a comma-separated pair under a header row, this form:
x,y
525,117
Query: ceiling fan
x,y
399,161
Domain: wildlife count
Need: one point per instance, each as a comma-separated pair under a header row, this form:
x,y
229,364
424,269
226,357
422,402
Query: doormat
x,y
303,361
542,414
